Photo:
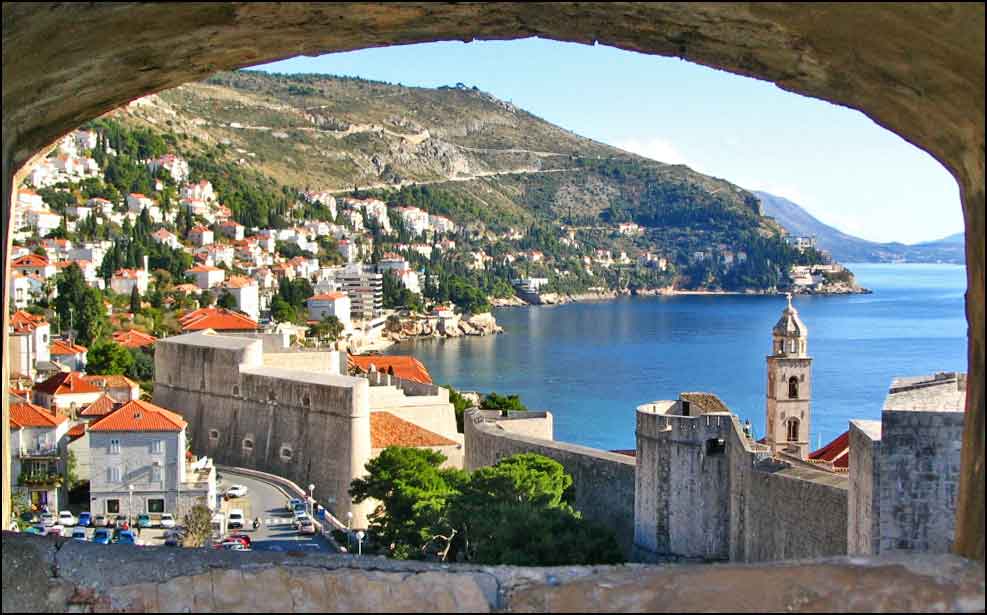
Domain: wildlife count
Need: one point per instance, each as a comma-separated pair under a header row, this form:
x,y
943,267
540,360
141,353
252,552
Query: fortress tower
x,y
789,394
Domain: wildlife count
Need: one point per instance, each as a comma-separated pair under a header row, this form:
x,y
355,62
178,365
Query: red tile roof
x,y
133,338
77,431
218,319
202,268
140,416
101,407
23,322
66,348
66,383
407,368
111,381
389,430
836,452
30,260
26,414
240,281
327,297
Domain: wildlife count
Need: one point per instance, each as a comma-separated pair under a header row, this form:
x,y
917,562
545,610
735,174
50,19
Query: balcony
x,y
42,452
39,479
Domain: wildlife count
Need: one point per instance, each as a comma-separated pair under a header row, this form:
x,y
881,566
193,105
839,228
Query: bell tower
x,y
789,393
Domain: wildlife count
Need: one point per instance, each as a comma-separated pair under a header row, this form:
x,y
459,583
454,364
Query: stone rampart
x,y
602,482
62,575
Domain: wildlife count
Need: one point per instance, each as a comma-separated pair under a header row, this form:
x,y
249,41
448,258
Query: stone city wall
x,y
863,505
62,575
602,482
919,480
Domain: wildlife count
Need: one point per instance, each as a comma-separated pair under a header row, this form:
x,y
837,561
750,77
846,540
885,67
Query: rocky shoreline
x,y
428,327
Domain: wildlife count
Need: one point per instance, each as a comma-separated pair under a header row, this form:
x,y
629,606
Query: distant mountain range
x,y
847,248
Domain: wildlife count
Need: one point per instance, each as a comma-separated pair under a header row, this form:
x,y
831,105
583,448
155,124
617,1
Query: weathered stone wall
x,y
243,413
59,575
919,471
602,482
795,513
863,506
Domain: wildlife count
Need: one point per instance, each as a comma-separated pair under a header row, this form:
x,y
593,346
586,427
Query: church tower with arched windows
x,y
789,395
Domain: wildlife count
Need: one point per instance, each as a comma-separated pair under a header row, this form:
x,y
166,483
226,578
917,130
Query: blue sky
x,y
835,162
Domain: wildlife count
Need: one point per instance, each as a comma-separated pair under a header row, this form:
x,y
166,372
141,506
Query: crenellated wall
x,y
602,482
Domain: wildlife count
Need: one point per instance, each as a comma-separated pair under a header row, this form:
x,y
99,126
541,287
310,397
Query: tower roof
x,y
790,325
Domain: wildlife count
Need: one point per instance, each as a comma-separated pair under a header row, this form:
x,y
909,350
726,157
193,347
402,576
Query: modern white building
x,y
330,304
138,464
247,294
206,276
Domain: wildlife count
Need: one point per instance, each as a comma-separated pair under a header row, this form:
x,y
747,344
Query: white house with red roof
x,y
125,280
25,289
330,304
246,291
27,344
177,167
66,393
117,386
206,276
69,354
201,235
232,229
37,449
167,238
216,254
138,464
133,338
199,191
34,264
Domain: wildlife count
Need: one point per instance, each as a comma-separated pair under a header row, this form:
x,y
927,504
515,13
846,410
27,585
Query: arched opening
x,y
793,387
793,48
792,430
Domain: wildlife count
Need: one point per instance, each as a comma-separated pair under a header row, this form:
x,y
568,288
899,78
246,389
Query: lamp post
x,y
130,508
359,542
311,500
349,519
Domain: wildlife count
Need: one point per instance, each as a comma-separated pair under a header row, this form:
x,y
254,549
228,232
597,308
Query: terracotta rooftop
x,y
111,381
67,383
30,260
133,338
218,319
407,368
26,414
23,322
389,430
202,268
240,281
706,402
101,407
327,297
836,452
66,348
76,431
140,416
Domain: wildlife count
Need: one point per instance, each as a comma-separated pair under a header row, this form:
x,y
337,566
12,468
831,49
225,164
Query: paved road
x,y
276,532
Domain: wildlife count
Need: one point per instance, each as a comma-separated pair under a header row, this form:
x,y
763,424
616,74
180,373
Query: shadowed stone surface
x,y
917,69
59,574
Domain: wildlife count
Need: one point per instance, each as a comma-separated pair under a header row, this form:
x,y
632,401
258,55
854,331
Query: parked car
x,y
236,491
306,526
79,533
292,503
48,519
67,519
55,530
299,515
235,519
121,523
127,537
85,519
101,521
240,537
167,520
144,520
38,530
101,536
28,517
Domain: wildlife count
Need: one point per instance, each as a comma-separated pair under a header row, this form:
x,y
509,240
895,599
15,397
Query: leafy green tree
x,y
198,526
71,470
460,405
109,358
281,310
71,285
89,319
227,300
327,329
142,368
504,403
135,300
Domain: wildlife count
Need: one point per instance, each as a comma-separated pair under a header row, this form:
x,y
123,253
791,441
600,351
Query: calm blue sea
x,y
591,364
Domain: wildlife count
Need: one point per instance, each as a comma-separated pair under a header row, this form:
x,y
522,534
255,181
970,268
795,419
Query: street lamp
x,y
359,542
130,508
311,500
349,519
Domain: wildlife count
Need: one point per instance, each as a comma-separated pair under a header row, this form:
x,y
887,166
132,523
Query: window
x,y
214,434
306,401
114,446
155,505
157,447
793,388
793,430
113,474
248,445
155,473
236,390
285,453
113,507
270,395
715,446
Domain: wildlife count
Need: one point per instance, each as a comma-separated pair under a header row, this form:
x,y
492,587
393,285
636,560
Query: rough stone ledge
x,y
45,574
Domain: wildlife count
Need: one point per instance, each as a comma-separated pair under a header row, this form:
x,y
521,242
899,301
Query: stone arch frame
x,y
792,426
793,387
917,70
